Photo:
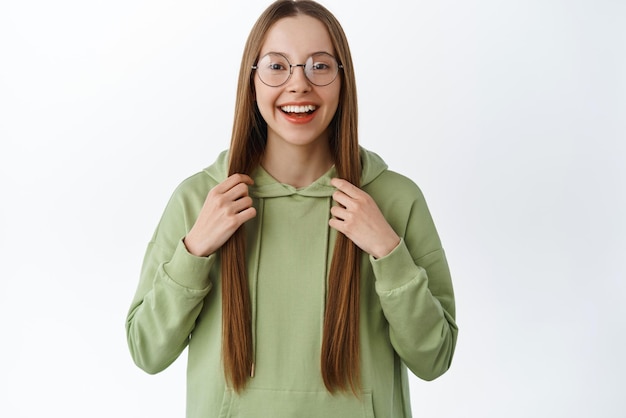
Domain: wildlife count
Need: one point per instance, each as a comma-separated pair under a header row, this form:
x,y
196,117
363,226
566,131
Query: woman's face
x,y
297,112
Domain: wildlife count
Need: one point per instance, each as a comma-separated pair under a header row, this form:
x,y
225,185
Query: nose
x,y
298,80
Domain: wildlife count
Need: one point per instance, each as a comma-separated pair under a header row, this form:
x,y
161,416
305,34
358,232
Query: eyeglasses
x,y
274,69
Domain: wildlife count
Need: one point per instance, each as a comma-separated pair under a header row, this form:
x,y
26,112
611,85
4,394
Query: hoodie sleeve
x,y
415,289
172,286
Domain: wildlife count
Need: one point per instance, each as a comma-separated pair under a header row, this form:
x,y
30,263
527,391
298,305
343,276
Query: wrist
x,y
191,248
386,248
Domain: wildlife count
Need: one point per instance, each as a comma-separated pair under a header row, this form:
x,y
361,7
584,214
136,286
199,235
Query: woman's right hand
x,y
226,208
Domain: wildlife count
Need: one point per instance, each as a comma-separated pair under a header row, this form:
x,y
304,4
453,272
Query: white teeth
x,y
298,109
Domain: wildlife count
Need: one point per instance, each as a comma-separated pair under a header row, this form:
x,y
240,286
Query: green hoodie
x,y
407,300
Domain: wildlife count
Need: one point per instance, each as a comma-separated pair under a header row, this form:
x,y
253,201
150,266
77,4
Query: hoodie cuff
x,y
189,270
395,269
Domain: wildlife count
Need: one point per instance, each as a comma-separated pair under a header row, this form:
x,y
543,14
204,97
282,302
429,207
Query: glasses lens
x,y
321,69
273,69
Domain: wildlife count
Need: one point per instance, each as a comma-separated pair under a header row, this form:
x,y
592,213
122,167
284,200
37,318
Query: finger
x,y
241,178
336,224
246,215
346,187
341,198
242,204
339,212
238,191
232,181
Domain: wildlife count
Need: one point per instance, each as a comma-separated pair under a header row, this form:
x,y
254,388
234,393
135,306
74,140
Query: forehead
x,y
297,37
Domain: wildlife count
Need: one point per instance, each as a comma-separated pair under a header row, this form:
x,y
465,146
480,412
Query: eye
x,y
276,63
274,69
320,66
321,63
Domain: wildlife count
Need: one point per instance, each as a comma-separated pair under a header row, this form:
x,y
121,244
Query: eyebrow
x,y
288,57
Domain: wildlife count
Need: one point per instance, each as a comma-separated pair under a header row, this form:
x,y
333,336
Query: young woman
x,y
302,275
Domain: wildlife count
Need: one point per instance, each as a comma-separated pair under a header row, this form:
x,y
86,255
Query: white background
x,y
510,115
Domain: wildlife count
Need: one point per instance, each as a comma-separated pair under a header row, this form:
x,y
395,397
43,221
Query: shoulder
x,y
198,182
378,180
404,206
393,185
204,180
400,200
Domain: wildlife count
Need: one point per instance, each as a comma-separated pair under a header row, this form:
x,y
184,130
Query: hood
x,y
266,186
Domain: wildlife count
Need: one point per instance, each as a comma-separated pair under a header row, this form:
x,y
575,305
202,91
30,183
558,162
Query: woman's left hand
x,y
359,218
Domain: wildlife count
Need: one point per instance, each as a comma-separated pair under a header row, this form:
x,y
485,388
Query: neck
x,y
297,165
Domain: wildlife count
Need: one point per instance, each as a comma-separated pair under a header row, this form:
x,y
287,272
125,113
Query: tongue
x,y
298,114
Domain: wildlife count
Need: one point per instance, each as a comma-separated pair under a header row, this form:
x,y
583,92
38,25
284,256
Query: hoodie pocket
x,y
263,403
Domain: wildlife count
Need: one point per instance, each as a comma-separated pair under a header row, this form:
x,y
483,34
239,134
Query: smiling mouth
x,y
298,110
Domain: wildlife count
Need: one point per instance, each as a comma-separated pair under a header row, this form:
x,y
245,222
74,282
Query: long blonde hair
x,y
340,361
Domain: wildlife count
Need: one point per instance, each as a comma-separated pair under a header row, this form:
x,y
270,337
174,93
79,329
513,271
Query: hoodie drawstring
x,y
255,279
327,257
